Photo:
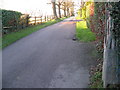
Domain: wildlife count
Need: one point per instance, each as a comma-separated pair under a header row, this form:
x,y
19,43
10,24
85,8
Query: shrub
x,y
10,20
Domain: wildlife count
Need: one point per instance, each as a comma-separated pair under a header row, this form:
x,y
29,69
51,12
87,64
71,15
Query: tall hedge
x,y
105,22
94,14
10,19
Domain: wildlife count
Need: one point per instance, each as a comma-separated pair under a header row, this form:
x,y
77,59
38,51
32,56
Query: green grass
x,y
97,80
78,18
14,36
83,33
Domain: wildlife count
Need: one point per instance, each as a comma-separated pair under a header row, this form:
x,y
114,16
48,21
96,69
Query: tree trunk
x,y
35,21
59,10
54,9
41,19
68,13
65,11
71,12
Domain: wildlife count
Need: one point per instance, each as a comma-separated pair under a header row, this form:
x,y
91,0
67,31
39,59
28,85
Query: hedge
x,y
10,19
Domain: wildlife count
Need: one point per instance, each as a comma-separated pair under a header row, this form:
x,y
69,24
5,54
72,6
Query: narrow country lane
x,y
48,58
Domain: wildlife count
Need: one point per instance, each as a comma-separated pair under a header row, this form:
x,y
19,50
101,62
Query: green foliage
x,y
9,17
97,24
95,18
96,80
102,24
83,33
114,9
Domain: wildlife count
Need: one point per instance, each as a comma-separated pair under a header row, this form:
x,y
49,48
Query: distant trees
x,y
59,4
66,5
64,8
69,7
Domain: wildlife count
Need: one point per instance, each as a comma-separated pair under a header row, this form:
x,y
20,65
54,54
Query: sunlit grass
x,y
83,33
14,36
78,18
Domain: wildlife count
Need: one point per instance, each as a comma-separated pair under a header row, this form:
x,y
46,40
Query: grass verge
x,y
96,80
83,33
14,36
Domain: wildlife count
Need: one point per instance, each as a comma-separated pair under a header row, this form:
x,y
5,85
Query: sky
x,y
29,6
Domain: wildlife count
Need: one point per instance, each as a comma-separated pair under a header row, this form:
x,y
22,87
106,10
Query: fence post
x,y
45,18
27,20
41,19
35,20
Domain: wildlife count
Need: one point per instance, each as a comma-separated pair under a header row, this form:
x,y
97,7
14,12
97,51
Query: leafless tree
x,y
53,2
68,7
59,4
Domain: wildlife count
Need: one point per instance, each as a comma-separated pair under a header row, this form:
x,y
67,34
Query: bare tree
x,y
53,2
64,8
59,3
68,7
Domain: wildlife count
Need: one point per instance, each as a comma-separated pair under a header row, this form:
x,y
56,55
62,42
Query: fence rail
x,y
26,21
39,20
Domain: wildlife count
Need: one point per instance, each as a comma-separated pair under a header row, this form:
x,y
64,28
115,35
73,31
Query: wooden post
x,y
41,19
27,20
45,18
35,20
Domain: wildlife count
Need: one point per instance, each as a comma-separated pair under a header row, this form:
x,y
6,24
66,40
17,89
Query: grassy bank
x,y
83,33
14,36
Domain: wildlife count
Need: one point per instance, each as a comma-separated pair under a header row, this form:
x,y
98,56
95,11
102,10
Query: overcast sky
x,y
28,6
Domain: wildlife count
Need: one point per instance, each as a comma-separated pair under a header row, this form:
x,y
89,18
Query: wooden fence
x,y
39,20
25,21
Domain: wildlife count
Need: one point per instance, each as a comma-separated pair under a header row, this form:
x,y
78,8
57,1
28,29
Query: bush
x,y
10,20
